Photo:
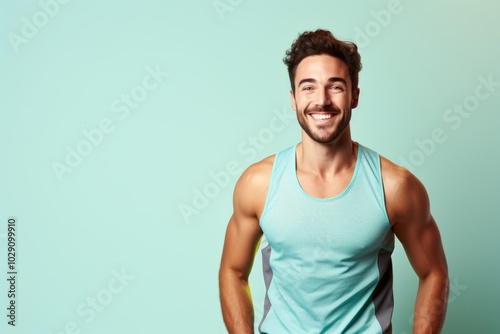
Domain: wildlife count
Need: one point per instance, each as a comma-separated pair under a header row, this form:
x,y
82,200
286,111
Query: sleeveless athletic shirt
x,y
326,261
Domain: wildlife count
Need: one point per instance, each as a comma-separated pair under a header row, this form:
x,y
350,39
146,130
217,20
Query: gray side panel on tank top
x,y
382,295
268,276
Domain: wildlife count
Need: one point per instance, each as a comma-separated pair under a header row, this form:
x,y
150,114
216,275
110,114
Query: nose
x,y
323,98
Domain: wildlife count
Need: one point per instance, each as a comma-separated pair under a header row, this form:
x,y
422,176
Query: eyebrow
x,y
332,79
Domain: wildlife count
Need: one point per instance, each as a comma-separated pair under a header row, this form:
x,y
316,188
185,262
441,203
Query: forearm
x,y
236,302
430,305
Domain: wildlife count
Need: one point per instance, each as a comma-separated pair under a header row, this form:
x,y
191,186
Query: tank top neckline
x,y
326,199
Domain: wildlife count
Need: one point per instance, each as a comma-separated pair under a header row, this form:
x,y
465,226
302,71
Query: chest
x,y
345,229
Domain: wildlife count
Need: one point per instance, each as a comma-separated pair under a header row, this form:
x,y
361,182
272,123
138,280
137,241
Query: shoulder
x,y
256,177
251,189
405,195
257,174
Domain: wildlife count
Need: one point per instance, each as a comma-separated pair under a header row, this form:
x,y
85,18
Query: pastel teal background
x,y
119,209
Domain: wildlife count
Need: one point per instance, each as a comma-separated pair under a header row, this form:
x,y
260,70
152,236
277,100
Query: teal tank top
x,y
326,261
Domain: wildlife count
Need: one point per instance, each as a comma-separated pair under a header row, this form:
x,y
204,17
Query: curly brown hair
x,y
319,42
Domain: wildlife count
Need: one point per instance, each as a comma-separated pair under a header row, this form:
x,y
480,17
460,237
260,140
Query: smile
x,y
321,117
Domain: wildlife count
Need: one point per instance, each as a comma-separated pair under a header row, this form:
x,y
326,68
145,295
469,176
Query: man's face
x,y
323,97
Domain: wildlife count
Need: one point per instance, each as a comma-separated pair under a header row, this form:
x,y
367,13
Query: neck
x,y
327,159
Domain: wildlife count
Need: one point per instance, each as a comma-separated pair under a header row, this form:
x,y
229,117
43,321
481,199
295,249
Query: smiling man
x,y
325,212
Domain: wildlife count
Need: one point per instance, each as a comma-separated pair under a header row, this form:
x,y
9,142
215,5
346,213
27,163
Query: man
x,y
325,212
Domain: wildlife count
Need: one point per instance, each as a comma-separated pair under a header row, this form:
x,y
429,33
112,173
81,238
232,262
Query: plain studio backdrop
x,y
125,125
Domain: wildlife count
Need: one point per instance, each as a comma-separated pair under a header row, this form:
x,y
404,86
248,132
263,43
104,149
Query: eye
x,y
307,88
337,87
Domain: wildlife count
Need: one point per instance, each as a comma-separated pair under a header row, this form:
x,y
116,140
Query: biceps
x,y
240,245
423,246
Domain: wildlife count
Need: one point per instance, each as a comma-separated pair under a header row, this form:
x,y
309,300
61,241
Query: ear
x,y
292,98
355,98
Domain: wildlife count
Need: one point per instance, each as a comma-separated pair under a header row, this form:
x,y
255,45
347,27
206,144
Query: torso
x,y
312,235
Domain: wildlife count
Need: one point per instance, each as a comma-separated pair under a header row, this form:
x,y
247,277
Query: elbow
x,y
439,283
228,275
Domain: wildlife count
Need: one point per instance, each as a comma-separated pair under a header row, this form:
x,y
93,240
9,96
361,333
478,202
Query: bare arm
x,y
413,224
242,237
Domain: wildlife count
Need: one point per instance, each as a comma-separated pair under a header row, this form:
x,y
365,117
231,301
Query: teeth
x,y
322,116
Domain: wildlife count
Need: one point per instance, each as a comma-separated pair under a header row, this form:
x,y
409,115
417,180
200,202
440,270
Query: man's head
x,y
322,42
324,77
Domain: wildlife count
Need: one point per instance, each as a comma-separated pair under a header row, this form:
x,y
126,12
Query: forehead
x,y
321,68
